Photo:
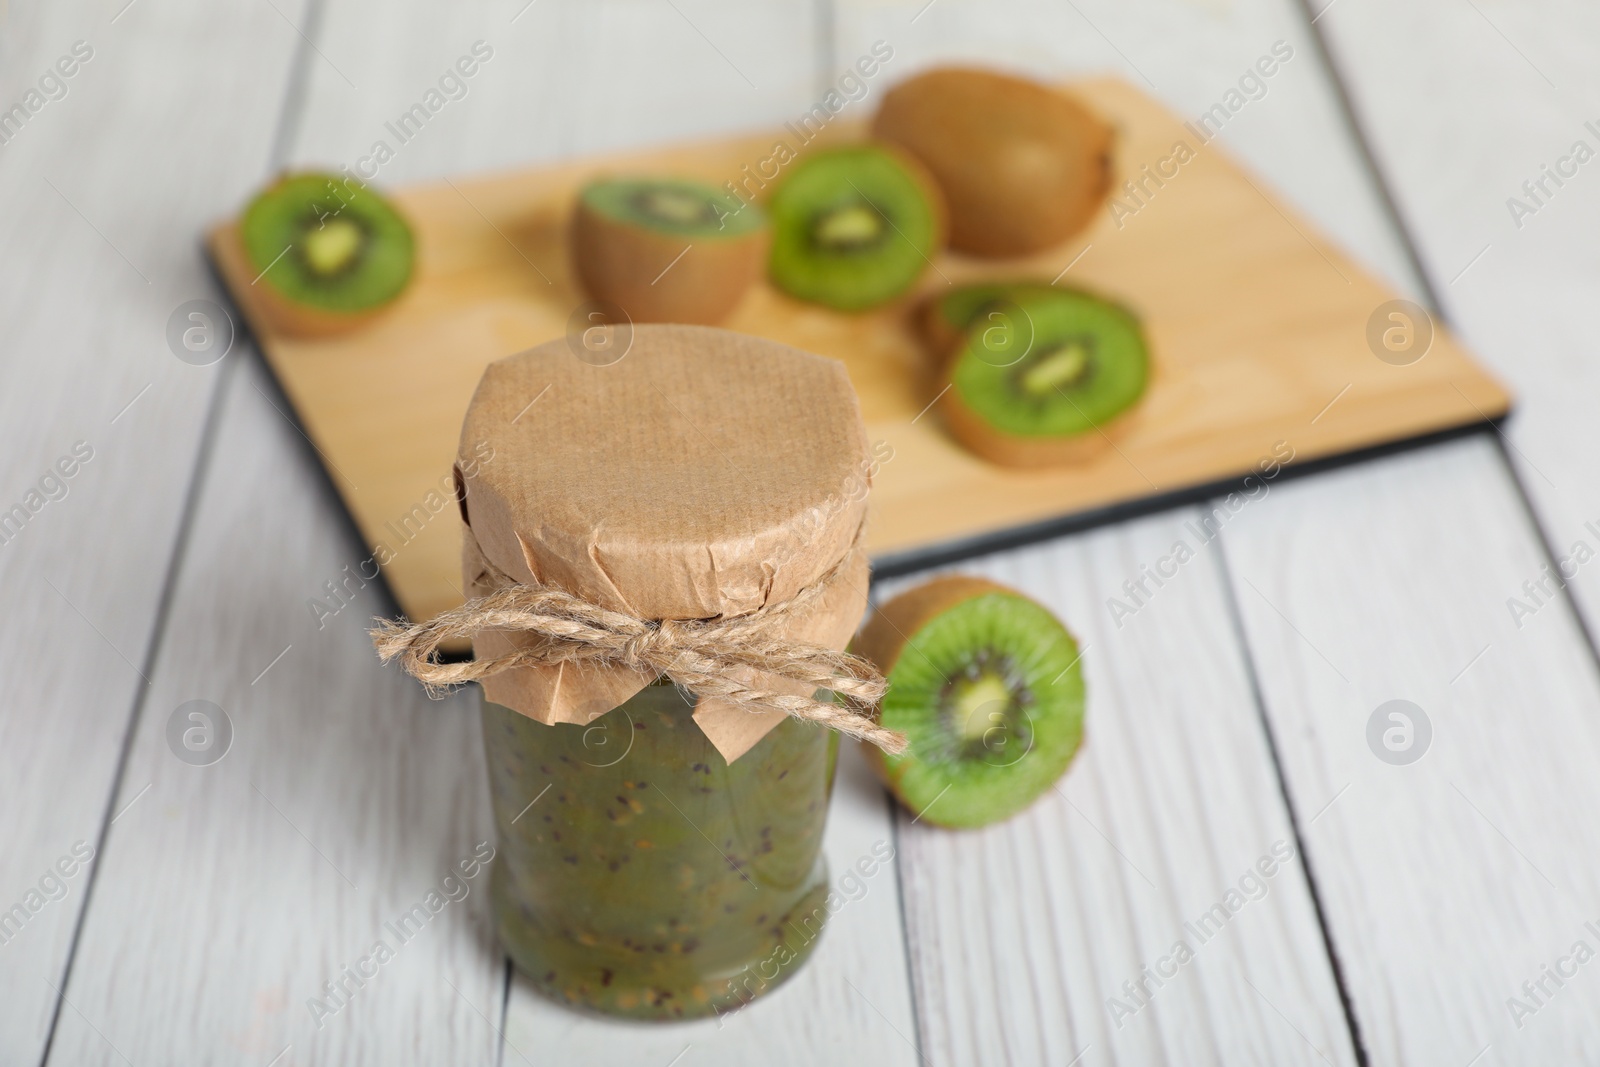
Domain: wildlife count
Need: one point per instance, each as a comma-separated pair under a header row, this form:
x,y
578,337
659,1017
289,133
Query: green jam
x,y
640,874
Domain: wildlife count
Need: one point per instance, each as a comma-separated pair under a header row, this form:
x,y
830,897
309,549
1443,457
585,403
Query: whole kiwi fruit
x,y
1022,166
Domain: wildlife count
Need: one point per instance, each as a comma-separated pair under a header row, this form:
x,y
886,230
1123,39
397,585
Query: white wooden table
x,y
1228,717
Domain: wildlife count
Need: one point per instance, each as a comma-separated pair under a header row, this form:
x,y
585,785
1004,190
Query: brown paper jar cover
x,y
704,474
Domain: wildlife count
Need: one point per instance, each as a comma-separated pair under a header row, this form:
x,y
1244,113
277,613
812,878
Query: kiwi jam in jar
x,y
641,873
660,853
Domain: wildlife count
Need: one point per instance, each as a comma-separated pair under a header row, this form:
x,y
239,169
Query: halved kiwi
x,y
1022,165
854,227
944,318
1043,378
327,252
987,688
667,249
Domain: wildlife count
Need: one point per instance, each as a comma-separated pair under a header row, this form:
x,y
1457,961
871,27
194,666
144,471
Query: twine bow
x,y
698,654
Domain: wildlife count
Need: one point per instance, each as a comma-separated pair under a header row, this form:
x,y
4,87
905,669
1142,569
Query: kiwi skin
x,y
886,636
1022,166
938,334
621,261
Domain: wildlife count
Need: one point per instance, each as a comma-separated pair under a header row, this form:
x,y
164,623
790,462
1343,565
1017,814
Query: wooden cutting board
x,y
1258,328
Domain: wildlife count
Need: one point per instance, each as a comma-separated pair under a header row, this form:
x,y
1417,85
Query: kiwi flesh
x,y
986,685
1022,166
1045,378
327,253
667,249
854,227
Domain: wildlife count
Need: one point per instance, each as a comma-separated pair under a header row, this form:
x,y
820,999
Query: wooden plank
x,y
1458,131
1023,934
1436,948
563,81
1451,881
230,892
106,181
1224,387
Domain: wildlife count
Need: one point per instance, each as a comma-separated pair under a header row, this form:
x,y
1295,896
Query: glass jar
x,y
641,874
654,864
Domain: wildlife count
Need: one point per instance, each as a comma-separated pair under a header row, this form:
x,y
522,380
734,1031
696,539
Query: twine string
x,y
700,655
